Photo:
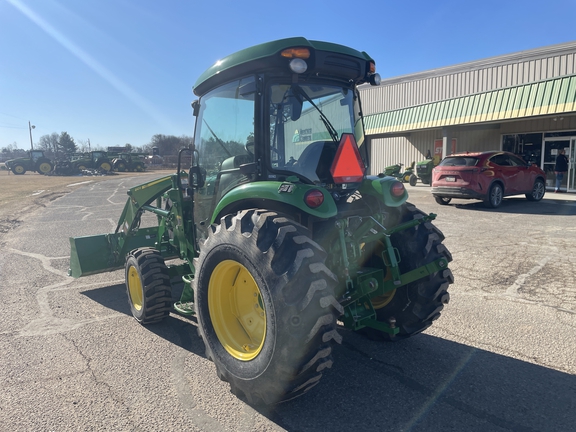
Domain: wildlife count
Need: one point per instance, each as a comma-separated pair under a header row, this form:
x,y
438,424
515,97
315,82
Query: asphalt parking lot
x,y
500,358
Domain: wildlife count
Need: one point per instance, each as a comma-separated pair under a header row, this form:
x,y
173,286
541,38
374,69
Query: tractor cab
x,y
36,154
286,122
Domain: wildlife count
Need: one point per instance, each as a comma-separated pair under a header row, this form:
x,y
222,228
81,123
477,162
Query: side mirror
x,y
296,103
196,173
195,108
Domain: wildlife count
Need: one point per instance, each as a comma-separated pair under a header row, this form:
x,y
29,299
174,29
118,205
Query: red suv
x,y
488,176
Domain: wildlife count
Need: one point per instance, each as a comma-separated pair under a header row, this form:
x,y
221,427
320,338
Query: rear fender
x,y
380,187
255,195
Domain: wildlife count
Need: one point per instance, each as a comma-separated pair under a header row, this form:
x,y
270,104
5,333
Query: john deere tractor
x,y
128,162
94,160
276,230
35,161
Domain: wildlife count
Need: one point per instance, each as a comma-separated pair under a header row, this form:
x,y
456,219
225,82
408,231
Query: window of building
x,y
527,146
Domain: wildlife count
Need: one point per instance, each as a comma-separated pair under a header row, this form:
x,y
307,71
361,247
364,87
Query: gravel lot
x,y
500,358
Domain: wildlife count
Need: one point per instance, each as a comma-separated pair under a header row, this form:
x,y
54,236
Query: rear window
x,y
459,161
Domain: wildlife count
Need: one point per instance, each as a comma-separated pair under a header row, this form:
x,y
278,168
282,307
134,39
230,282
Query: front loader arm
x,y
141,196
106,252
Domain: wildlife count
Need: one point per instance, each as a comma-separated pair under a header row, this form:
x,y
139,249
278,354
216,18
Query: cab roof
x,y
266,56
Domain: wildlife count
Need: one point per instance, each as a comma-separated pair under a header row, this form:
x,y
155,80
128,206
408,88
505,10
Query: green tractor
x,y
35,161
405,176
128,162
424,168
275,228
94,160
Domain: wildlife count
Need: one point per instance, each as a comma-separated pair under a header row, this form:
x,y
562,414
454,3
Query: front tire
x,y
148,286
415,306
265,306
538,191
19,169
413,180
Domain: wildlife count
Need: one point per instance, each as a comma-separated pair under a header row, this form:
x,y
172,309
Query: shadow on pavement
x,y
180,331
432,384
424,383
521,206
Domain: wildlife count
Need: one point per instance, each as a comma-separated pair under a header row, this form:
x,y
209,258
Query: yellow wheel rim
x,y
381,301
236,310
106,166
135,288
19,169
81,167
44,167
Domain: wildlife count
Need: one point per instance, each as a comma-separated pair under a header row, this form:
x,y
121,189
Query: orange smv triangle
x,y
347,166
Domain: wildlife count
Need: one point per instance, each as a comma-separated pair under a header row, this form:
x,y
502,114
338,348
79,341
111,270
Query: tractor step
x,y
185,308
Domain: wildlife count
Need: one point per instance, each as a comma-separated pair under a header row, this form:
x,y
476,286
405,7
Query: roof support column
x,y
446,141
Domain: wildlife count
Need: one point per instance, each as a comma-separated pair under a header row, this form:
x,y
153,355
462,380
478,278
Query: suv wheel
x,y
495,196
442,200
538,191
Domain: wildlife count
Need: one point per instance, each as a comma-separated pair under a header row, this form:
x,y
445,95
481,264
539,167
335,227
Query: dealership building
x,y
523,102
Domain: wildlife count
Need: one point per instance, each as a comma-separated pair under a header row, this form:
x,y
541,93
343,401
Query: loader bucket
x,y
91,255
106,252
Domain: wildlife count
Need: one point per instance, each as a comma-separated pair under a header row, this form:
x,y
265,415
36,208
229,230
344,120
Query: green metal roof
x,y
259,57
554,96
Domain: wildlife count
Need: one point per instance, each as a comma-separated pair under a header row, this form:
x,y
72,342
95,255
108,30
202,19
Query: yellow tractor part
x,y
236,310
135,288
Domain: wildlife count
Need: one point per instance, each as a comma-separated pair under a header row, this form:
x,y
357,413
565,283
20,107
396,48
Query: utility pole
x,y
30,127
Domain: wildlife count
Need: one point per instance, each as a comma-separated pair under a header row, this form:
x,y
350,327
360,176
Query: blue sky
x,y
120,71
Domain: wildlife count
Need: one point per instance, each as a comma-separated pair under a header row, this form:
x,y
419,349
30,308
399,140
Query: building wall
x,y
461,80
389,151
470,78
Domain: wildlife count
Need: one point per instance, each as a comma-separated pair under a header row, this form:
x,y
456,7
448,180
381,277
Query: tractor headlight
x,y
297,65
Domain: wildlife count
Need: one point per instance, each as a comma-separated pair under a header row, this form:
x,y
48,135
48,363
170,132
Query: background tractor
x,y
424,168
94,160
36,161
275,229
406,176
128,162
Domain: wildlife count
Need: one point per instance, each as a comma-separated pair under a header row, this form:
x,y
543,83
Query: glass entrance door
x,y
551,148
571,177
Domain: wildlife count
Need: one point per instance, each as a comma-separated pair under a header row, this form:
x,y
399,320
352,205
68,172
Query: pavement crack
x,y
513,289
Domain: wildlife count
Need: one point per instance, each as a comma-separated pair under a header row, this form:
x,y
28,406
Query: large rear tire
x,y
148,286
413,307
105,166
265,306
44,167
